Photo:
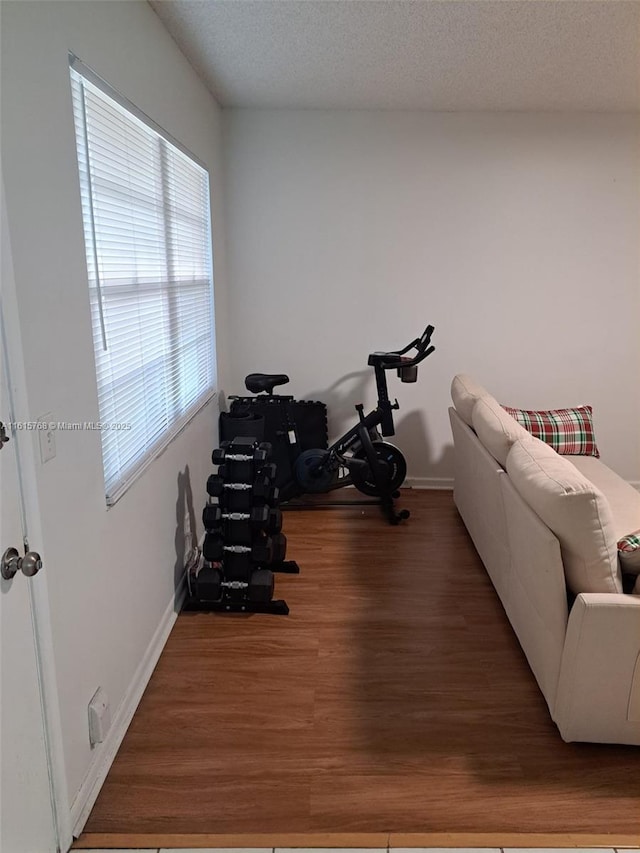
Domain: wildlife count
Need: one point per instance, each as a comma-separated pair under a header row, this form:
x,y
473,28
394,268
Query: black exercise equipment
x,y
360,457
291,426
243,546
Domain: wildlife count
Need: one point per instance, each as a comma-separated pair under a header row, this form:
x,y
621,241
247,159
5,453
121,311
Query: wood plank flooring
x,y
393,699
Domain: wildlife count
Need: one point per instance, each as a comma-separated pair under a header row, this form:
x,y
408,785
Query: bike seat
x,y
257,382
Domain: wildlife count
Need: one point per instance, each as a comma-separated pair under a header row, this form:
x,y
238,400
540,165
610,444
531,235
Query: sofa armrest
x,y
598,696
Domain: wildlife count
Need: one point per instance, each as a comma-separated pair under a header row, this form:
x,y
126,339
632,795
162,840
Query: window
x,y
145,206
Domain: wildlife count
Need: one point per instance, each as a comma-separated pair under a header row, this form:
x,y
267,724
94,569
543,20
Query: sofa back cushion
x,y
496,429
623,499
465,391
574,509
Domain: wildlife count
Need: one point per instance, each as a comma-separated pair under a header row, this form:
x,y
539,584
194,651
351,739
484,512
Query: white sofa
x,y
583,645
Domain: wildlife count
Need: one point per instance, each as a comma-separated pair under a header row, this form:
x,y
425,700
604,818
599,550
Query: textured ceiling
x,y
406,54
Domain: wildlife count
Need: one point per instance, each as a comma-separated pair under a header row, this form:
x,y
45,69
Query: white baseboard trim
x,y
88,794
444,483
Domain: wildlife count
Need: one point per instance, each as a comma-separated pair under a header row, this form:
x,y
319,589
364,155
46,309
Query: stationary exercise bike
x,y
360,457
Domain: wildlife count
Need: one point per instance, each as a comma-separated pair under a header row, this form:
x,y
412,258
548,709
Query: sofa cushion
x,y
495,428
465,392
568,431
629,553
623,499
574,509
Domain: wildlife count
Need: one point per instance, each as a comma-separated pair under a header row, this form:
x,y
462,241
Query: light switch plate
x,y
47,437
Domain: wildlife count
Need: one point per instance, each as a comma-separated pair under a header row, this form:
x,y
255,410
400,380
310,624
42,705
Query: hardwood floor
x,y
393,699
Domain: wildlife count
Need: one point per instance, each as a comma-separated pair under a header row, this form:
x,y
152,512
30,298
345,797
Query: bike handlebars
x,y
397,359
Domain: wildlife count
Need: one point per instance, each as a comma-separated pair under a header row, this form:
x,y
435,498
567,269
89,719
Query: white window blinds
x,y
145,206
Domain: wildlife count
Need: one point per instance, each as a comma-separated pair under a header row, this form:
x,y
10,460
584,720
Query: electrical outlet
x,y
47,437
99,717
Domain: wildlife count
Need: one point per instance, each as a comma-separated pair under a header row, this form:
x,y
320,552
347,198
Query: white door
x,y
26,811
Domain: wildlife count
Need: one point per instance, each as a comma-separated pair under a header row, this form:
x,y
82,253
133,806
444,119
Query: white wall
x,y
111,573
516,235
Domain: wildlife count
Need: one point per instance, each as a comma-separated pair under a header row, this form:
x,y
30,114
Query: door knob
x,y
12,563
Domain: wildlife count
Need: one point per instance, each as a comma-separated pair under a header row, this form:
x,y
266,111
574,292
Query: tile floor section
x,y
373,850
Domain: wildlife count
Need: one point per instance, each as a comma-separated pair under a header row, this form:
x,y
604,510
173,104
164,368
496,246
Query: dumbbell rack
x,y
244,545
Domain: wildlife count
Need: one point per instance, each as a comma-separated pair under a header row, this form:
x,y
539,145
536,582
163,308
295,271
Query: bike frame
x,y
340,458
361,436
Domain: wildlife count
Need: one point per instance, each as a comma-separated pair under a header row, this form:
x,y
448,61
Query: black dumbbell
x,y
211,516
215,485
238,567
215,548
260,516
274,524
212,547
274,496
243,472
262,550
257,518
217,457
232,500
261,487
269,470
278,547
208,584
239,453
261,585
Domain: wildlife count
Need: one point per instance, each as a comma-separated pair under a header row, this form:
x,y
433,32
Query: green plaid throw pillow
x,y
568,431
629,553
